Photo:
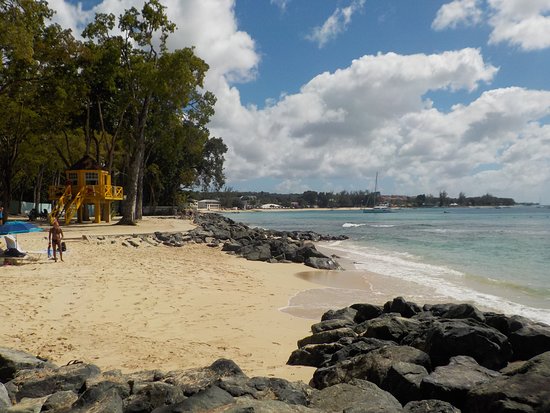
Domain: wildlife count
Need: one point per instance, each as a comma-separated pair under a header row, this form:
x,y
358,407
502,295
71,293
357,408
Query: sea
x,y
495,258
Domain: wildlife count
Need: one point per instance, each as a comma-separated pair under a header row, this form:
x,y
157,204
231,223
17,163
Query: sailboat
x,y
378,208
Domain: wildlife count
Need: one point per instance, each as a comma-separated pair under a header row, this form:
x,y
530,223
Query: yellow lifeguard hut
x,y
86,184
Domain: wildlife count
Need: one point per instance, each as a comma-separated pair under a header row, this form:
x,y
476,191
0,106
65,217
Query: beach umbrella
x,y
18,227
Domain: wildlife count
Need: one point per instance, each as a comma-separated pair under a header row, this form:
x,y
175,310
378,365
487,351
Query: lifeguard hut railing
x,y
108,192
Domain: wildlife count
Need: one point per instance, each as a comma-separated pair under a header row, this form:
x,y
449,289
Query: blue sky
x,y
322,94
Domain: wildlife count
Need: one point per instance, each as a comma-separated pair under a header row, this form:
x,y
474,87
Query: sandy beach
x,y
151,307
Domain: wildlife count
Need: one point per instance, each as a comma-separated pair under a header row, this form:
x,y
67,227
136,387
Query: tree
x,y
151,82
31,53
443,199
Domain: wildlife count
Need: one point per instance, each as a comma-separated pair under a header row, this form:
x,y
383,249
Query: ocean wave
x,y
445,281
350,225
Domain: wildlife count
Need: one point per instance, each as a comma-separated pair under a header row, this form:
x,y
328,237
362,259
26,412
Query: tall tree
x,y
150,80
28,53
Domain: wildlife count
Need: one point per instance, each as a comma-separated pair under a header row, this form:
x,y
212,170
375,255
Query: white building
x,y
209,205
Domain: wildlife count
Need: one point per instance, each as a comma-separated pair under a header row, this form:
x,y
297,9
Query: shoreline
x,y
151,307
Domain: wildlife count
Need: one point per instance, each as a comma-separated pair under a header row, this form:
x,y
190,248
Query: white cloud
x,y
335,24
450,15
70,15
521,23
347,121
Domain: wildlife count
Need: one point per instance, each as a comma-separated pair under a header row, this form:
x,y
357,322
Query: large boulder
x,y
192,381
400,305
530,340
446,338
453,381
322,263
366,312
391,326
314,355
373,366
329,336
257,252
331,325
356,396
358,346
104,401
430,406
11,361
525,389
346,313
403,380
204,401
43,382
455,311
149,396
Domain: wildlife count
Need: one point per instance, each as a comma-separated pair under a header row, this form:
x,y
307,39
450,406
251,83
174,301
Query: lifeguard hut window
x,y
73,177
91,178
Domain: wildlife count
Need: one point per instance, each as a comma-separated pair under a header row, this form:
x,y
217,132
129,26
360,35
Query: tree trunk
x,y
139,200
136,167
38,188
131,188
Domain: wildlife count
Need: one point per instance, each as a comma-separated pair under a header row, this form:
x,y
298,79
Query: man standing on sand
x,y
54,239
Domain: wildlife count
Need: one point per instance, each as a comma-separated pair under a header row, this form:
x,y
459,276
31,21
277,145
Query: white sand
x,y
151,307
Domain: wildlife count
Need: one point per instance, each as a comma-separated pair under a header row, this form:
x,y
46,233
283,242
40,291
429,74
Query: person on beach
x,y
54,239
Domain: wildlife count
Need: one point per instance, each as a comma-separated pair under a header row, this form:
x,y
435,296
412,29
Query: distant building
x,y
270,206
209,205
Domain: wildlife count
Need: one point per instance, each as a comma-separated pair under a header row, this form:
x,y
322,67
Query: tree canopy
x,y
119,96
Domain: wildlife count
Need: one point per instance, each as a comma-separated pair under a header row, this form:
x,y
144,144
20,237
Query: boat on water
x,y
378,208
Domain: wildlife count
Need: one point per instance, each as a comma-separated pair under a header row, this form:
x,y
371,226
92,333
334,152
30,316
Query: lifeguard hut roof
x,y
86,163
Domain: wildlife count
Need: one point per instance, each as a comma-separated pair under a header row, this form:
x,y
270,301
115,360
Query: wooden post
x,y
107,212
97,212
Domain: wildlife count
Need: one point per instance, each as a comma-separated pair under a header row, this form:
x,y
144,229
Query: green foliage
x,y
119,96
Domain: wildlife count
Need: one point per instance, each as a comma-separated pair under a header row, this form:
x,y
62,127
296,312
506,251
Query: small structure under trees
x,y
87,183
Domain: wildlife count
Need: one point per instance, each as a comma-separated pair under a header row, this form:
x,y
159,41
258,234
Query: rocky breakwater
x,y
435,358
255,244
32,385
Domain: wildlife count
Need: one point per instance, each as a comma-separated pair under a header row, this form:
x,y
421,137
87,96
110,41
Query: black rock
x,y
203,401
322,263
446,338
530,340
356,396
149,396
525,389
366,312
346,313
43,382
314,355
453,381
329,336
11,361
399,305
390,326
99,400
373,366
430,406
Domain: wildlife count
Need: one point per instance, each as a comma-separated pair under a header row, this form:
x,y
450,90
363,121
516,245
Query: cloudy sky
x,y
322,94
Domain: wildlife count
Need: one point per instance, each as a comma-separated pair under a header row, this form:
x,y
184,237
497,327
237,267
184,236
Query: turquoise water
x,y
497,258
